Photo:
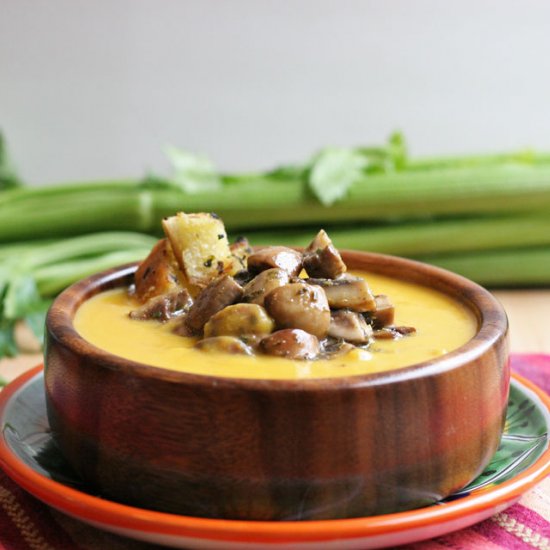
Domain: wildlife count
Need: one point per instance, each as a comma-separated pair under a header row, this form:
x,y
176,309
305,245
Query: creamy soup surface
x,y
441,323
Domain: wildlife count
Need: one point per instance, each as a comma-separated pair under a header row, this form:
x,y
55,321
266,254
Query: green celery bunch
x,y
335,186
31,274
485,216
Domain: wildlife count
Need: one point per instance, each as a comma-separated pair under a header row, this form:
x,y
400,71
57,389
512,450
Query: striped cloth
x,y
27,524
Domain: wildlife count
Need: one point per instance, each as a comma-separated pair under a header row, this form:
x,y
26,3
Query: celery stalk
x,y
416,238
53,278
91,245
500,268
276,202
526,156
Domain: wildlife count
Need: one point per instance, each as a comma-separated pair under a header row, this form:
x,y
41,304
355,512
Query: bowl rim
x,y
492,327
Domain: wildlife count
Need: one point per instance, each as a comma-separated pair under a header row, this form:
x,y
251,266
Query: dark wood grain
x,y
280,449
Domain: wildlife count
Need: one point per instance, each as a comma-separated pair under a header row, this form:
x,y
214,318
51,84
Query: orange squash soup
x,y
442,325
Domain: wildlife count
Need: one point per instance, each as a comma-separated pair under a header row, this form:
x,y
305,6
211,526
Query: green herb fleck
x,y
208,262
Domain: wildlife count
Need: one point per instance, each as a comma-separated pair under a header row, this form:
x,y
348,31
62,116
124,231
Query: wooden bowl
x,y
279,449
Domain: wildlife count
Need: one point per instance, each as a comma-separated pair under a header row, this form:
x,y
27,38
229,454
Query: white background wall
x,y
94,89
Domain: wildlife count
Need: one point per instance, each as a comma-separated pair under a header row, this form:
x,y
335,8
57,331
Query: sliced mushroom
x,y
221,292
292,344
393,333
164,307
404,330
335,348
257,289
321,259
276,256
349,326
299,305
223,344
384,313
347,292
239,319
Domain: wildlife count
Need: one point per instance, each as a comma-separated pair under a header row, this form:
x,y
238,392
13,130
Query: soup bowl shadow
x,y
279,449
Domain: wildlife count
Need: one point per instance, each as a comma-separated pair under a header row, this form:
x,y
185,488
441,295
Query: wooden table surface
x,y
529,315
528,311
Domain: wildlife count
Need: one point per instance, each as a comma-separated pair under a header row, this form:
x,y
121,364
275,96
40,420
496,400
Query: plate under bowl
x,y
29,455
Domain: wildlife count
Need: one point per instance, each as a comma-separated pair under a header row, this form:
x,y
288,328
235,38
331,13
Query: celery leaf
x,y
36,320
398,150
192,173
8,347
21,297
333,172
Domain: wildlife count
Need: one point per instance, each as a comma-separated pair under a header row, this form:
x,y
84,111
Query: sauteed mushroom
x,y
245,294
257,289
336,347
384,313
349,326
221,292
164,307
239,319
299,305
223,344
393,333
276,256
321,259
347,292
291,343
